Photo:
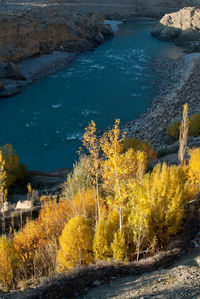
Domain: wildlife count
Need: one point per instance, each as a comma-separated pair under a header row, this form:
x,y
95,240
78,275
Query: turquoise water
x,y
46,121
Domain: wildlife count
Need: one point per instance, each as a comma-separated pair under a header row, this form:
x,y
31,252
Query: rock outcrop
x,y
182,26
43,29
50,31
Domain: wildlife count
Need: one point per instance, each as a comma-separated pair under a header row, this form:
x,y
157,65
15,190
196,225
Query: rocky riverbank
x,y
29,31
180,85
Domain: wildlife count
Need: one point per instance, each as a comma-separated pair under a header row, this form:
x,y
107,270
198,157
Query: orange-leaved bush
x,y
75,244
26,243
53,217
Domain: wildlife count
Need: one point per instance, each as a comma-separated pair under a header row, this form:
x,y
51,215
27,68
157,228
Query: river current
x,y
46,121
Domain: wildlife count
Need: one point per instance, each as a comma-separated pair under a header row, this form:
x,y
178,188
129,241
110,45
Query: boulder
x,y
14,72
9,90
24,205
181,26
1,85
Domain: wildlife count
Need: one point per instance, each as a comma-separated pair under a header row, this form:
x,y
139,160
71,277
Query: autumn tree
x,y
111,144
184,128
157,205
3,189
80,179
119,246
119,168
91,143
104,235
101,244
75,244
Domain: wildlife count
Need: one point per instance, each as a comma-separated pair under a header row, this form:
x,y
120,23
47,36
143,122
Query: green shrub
x,y
173,130
194,127
80,179
139,145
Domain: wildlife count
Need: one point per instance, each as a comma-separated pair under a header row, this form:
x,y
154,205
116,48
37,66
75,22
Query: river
x,y
46,121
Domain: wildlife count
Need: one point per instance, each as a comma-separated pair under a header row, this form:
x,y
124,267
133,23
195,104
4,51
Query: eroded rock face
x,y
41,30
182,26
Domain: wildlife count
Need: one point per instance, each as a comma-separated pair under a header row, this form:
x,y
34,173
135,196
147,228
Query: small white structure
x,y
24,205
5,207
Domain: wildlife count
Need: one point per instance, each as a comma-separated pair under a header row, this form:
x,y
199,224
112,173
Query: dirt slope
x,y
180,281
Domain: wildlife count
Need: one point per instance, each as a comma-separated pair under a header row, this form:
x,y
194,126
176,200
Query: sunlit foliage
x,y
76,244
194,167
157,205
80,179
119,246
139,145
8,263
14,170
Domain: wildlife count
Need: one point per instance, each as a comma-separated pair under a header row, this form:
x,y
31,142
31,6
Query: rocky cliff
x,y
36,31
42,29
182,26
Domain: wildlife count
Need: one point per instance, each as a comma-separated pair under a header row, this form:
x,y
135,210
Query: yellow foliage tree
x,y
14,170
118,168
104,234
157,205
75,244
119,246
84,203
8,263
3,189
101,246
91,142
194,167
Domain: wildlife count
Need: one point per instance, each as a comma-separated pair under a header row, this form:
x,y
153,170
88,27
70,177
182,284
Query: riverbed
x,y
46,121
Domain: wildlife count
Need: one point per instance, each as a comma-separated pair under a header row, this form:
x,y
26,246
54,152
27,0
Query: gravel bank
x,y
180,84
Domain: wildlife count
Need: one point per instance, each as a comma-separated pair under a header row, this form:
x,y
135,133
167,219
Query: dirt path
x,y
180,281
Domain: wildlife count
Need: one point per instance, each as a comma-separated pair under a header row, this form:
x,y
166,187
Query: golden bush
x,y
194,167
119,246
157,205
75,244
138,145
53,217
8,263
26,243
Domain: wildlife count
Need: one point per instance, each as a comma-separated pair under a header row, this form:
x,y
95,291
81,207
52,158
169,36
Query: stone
x,y
24,205
96,283
181,26
9,91
197,260
1,86
14,72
